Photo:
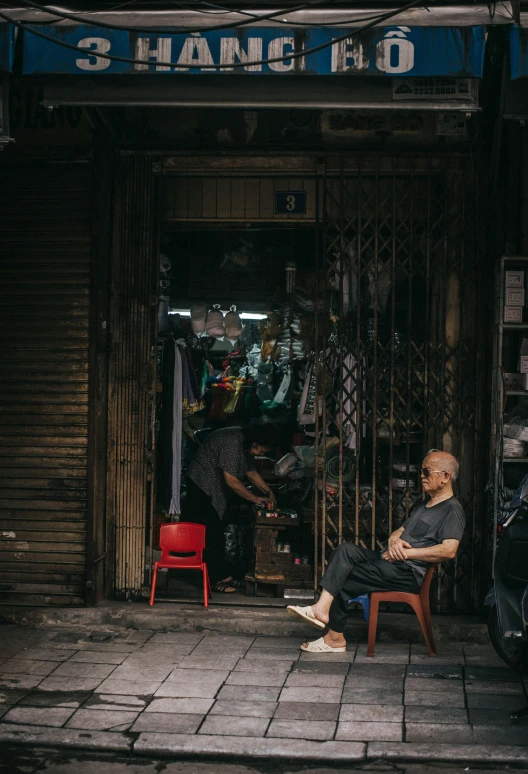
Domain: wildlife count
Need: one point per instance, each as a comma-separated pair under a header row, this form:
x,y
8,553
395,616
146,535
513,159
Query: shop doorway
x,y
398,331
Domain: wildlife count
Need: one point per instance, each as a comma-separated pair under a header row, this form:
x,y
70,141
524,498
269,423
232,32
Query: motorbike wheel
x,y
509,653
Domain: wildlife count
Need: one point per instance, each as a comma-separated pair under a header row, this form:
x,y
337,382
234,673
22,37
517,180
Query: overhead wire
x,y
64,15
288,57
290,23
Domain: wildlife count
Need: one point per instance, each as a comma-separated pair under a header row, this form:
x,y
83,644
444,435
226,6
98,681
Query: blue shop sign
x,y
518,53
388,51
7,46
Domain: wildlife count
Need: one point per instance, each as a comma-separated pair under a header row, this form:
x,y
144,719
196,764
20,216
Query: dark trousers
x,y
198,509
353,570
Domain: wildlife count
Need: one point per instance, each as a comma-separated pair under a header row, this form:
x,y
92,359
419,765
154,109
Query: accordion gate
x,y
399,350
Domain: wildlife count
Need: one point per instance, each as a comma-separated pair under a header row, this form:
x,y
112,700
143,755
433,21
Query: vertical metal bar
x,y
409,334
340,379
375,359
392,343
360,369
319,272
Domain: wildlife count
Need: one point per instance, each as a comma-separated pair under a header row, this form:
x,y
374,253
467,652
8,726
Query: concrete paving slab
x,y
279,654
132,673
367,732
236,641
250,665
484,661
449,753
501,734
315,679
443,649
322,667
181,706
16,667
94,657
296,710
20,682
258,679
248,693
489,717
435,715
42,736
417,660
374,683
426,684
75,669
175,638
229,725
38,716
253,709
500,674
185,690
168,723
101,701
55,699
248,748
309,695
101,720
371,712
321,730
493,686
44,654
199,662
9,696
276,642
494,701
430,699
128,687
198,677
353,695
373,671
435,671
347,657
75,684
434,733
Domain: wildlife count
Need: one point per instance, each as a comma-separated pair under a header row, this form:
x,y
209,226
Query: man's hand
x,y
271,497
397,549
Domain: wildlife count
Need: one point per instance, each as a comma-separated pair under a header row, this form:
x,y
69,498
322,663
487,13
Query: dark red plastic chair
x,y
182,538
419,603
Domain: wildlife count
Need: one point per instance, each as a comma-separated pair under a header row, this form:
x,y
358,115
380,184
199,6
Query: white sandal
x,y
305,614
320,646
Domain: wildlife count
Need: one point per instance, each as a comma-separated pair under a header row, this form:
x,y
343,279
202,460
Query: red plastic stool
x,y
419,603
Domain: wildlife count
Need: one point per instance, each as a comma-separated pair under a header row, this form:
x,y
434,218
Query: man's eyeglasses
x,y
427,471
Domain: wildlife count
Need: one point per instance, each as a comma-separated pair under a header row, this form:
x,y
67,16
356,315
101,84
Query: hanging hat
x,y
215,322
233,324
198,317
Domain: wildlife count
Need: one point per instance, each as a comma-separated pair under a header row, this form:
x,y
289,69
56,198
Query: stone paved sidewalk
x,y
153,689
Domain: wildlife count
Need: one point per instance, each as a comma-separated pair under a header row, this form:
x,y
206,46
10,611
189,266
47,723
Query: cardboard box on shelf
x,y
515,279
514,381
514,296
513,314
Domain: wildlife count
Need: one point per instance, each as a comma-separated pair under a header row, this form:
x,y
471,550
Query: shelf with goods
x,y
509,441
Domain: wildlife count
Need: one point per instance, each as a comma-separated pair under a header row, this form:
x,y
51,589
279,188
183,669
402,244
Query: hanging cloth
x,y
177,414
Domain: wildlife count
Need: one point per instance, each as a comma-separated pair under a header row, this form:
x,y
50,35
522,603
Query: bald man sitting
x,y
431,534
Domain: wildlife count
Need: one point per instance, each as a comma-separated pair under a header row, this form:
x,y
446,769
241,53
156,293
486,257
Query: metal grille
x,y
399,360
132,371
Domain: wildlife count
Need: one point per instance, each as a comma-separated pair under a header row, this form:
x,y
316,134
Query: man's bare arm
x,y
441,552
397,546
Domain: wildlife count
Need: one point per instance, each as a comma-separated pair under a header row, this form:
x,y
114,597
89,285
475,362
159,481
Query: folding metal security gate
x,y
399,354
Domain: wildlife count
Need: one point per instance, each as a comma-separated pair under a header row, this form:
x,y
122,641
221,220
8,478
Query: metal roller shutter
x,y
44,299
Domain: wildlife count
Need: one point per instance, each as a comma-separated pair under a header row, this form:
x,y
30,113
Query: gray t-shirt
x,y
222,452
427,527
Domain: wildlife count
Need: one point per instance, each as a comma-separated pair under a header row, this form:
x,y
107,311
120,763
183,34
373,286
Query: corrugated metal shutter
x,y
44,298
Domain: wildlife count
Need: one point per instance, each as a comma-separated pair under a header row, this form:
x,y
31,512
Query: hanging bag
x,y
198,317
215,323
233,324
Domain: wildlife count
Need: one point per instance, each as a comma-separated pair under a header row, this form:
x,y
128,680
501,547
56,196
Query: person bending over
x,y
221,464
431,534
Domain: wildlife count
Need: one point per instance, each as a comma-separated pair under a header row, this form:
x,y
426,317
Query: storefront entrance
x,y
396,353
